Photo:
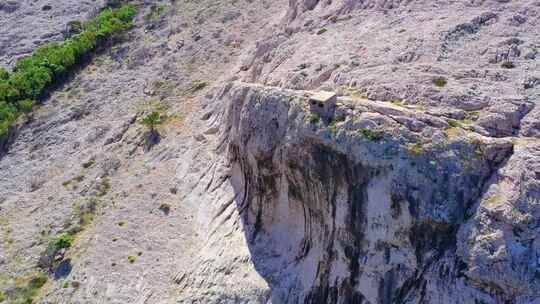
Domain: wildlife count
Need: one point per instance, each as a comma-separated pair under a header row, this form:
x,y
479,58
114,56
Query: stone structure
x,y
323,104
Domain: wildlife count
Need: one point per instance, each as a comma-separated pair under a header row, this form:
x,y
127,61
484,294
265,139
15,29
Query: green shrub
x,y
322,31
25,105
439,81
4,75
333,126
64,241
454,123
369,134
152,120
131,259
478,152
8,92
4,131
37,282
126,13
397,102
31,81
88,164
508,65
8,114
76,26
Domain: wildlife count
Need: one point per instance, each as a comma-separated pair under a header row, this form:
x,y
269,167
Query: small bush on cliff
x,y
64,241
454,123
508,65
88,164
8,114
152,120
439,81
333,126
4,75
322,31
369,134
25,106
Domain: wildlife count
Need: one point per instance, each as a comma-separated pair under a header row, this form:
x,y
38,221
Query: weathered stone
x,y
425,193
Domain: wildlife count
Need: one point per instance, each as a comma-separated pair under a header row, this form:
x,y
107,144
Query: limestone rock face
x,y
333,215
419,183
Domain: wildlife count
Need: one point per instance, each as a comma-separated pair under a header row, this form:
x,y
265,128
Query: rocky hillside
x,y
420,185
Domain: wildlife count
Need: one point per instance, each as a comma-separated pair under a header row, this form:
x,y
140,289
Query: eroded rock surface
x,y
355,218
421,187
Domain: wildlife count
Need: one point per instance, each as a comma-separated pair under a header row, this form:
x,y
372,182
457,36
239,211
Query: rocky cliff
x,y
420,186
334,214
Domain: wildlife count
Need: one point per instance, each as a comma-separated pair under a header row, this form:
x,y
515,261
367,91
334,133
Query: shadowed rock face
x,y
294,210
333,217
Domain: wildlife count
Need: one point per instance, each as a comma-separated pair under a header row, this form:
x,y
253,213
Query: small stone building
x,y
323,104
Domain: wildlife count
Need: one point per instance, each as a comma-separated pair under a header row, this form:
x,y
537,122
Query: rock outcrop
x,y
366,209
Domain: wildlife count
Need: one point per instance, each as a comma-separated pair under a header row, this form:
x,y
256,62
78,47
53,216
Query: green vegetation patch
x,y
322,31
454,123
49,64
88,164
492,200
197,86
508,65
370,134
26,291
153,120
397,102
74,181
440,81
63,241
333,126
